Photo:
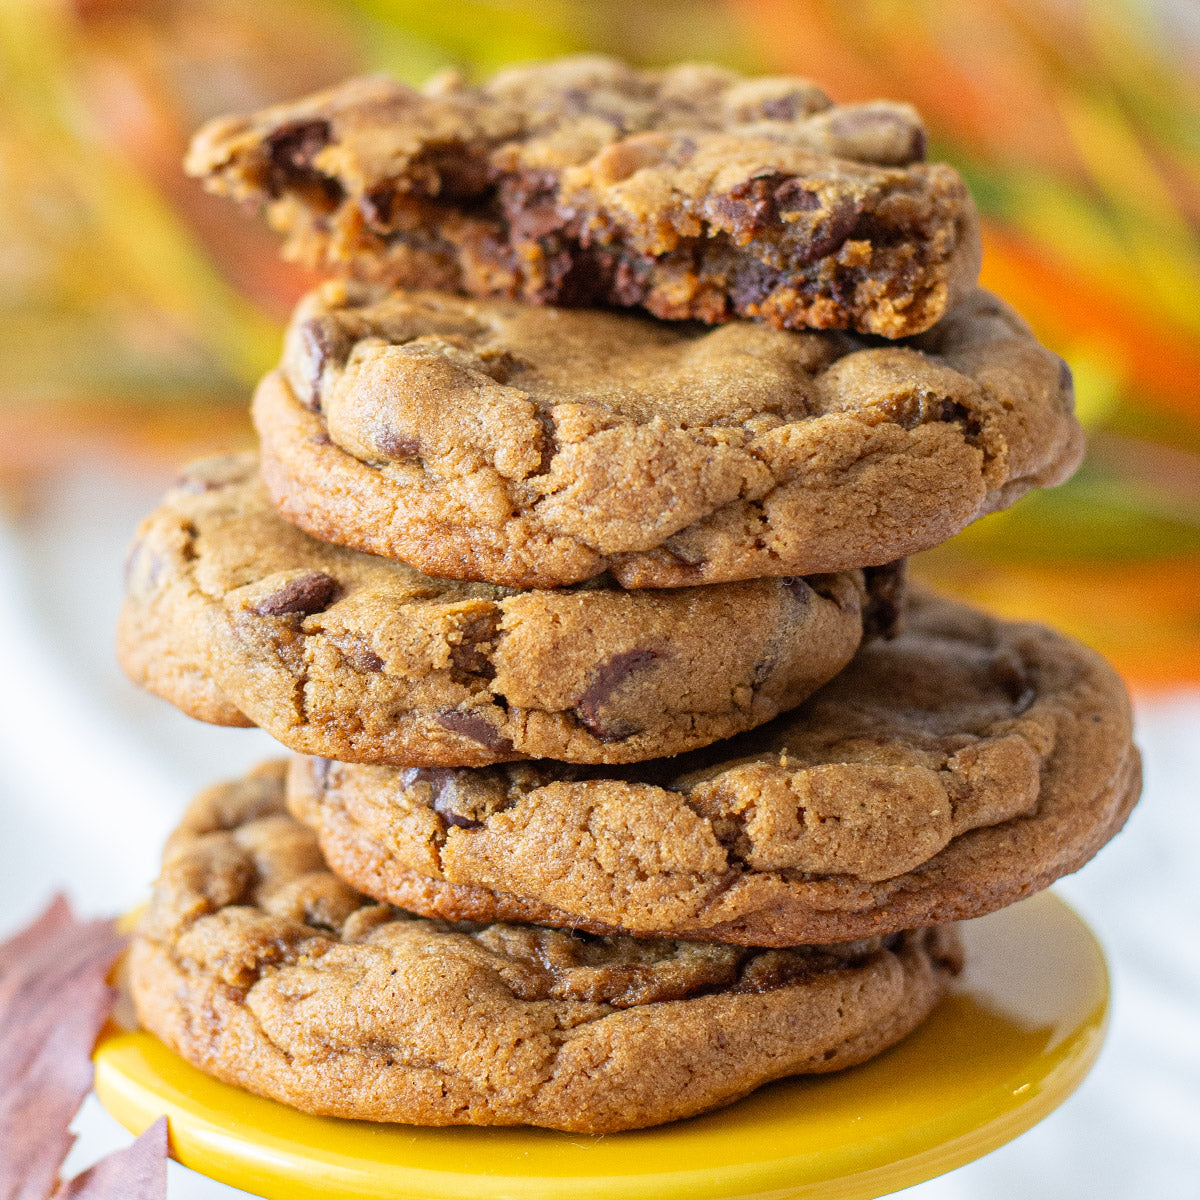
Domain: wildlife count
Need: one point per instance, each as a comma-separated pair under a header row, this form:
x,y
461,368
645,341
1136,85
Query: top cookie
x,y
533,447
692,192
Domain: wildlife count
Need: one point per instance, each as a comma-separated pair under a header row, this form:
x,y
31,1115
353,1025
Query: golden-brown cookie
x,y
262,968
238,617
692,192
944,774
535,446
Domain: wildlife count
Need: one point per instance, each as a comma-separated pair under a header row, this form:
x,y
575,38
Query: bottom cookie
x,y
262,968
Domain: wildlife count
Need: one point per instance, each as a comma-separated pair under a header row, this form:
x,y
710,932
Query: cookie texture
x,y
238,617
262,968
538,447
954,770
692,192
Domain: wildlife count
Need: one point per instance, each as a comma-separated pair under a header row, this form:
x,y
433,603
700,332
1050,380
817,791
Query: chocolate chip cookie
x,y
238,617
944,774
535,447
691,192
262,968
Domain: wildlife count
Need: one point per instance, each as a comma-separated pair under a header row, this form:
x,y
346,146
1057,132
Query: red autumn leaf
x,y
139,1172
26,940
54,997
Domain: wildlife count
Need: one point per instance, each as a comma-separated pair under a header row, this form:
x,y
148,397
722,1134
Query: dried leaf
x,y
26,941
54,998
139,1172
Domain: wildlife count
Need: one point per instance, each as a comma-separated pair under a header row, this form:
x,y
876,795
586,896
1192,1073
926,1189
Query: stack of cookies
x,y
627,777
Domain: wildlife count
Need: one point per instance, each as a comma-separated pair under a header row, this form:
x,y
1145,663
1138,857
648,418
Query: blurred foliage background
x,y
138,312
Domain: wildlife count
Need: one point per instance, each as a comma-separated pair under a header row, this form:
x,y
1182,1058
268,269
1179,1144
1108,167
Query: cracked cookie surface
x,y
691,192
261,967
946,773
238,617
535,447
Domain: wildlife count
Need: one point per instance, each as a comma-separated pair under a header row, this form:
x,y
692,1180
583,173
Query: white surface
x,y
95,775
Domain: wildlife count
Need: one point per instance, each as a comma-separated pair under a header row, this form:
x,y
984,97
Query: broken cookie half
x,y
691,192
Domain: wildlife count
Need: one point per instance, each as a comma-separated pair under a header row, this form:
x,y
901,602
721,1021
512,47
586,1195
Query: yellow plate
x,y
1019,1033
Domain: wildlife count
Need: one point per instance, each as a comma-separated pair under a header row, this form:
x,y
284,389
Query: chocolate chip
x,y
907,411
750,205
770,970
529,201
755,204
685,556
886,586
143,568
914,409
762,670
798,587
630,282
575,100
953,411
296,143
133,558
550,445
291,149
443,783
683,150
752,281
456,170
311,593
377,206
476,728
784,108
616,119
831,233
323,340
471,654
608,677
319,767
397,447
889,137
569,278
522,189
213,474
1066,380
793,196
1011,674
198,485
359,655
578,101
501,365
